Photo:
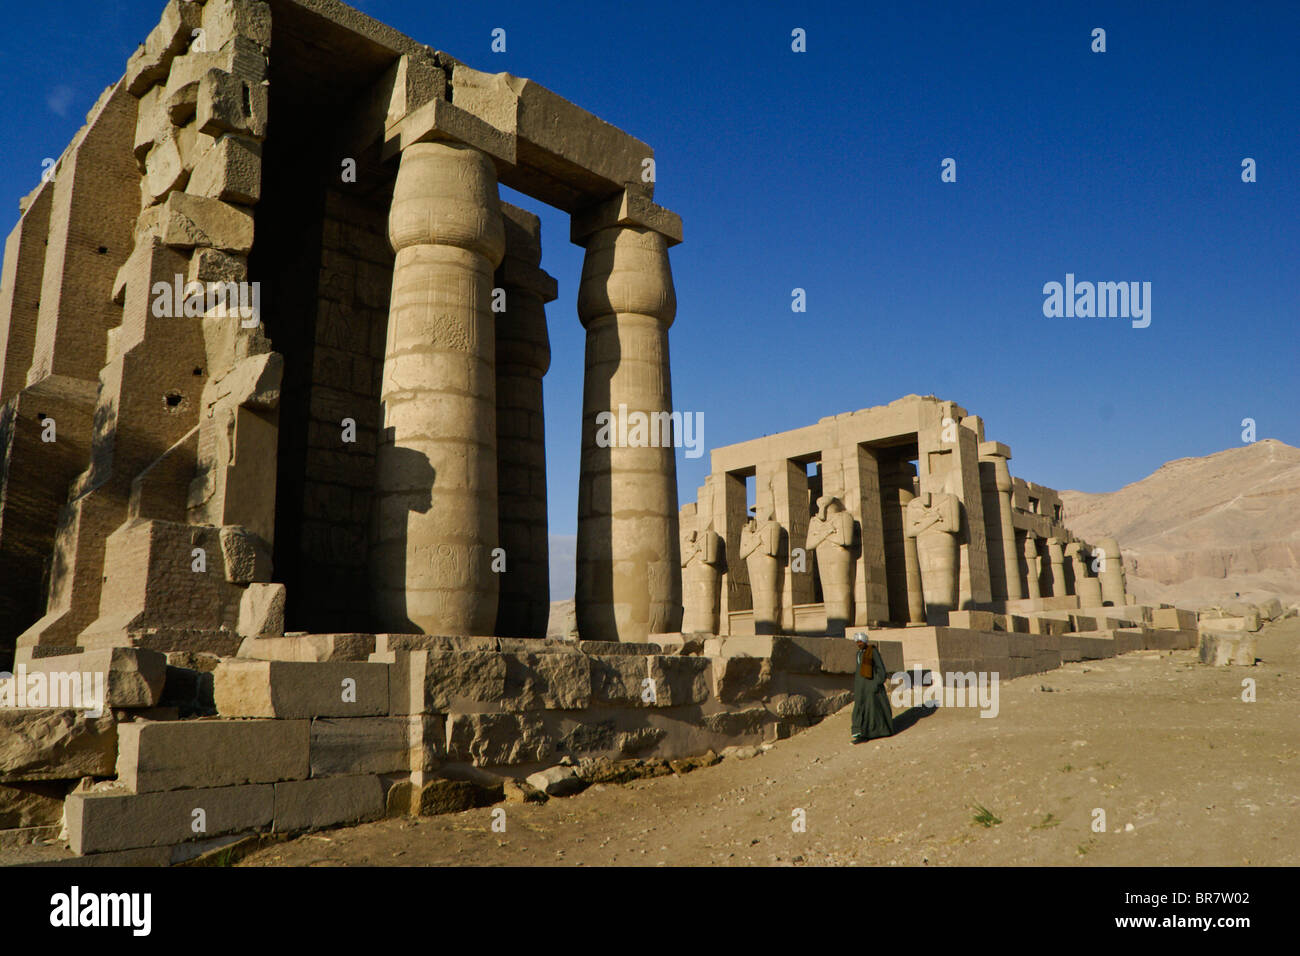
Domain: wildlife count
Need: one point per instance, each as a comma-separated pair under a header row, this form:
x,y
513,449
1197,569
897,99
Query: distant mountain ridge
x,y
1201,530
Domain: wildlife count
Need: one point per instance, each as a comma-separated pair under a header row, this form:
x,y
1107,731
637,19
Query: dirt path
x,y
1186,772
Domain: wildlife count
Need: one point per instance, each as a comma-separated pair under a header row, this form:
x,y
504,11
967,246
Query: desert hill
x,y
1202,530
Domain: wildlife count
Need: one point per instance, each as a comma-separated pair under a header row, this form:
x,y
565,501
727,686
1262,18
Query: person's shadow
x,y
908,718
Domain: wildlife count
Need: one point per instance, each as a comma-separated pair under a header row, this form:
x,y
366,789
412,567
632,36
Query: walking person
x,y
872,715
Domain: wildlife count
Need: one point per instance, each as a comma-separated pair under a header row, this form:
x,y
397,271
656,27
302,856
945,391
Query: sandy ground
x,y
1186,772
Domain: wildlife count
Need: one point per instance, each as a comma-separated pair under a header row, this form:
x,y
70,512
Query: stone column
x,y
523,354
1032,565
436,466
1087,588
1001,533
629,581
1056,557
1111,572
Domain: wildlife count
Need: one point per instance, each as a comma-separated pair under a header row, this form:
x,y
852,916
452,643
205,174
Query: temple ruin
x,y
272,467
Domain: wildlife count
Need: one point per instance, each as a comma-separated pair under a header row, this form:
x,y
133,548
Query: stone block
x,y
678,680
1167,639
1222,650
224,20
741,678
619,678
261,611
247,558
1095,647
1128,639
737,723
294,689
328,802
433,681
132,677
183,221
230,171
498,739
453,796
557,781
813,655
152,60
544,681
230,104
165,166
55,744
309,647
1046,659
1019,645
1173,617
388,644
617,648
34,804
640,740
971,620
175,755
358,745
996,665
116,819
427,737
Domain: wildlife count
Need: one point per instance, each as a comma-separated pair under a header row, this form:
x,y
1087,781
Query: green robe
x,y
872,715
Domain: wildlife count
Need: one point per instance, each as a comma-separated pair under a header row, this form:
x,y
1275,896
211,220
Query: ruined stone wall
x,y
347,357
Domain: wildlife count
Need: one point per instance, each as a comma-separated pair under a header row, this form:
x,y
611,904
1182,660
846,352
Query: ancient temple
x,y
273,537
272,349
890,516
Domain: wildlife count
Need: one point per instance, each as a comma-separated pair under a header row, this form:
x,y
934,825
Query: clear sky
x,y
821,170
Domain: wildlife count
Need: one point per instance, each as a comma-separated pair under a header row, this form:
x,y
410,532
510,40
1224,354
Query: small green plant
x,y
1049,821
1067,768
984,816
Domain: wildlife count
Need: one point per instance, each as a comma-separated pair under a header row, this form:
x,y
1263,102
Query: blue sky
x,y
821,170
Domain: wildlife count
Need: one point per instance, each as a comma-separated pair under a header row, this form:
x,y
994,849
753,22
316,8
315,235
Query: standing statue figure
x,y
1033,566
760,549
934,520
702,558
830,535
1087,588
1110,573
1056,558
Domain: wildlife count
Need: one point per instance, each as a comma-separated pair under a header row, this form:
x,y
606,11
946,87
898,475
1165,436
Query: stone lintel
x,y
994,449
533,279
628,208
440,120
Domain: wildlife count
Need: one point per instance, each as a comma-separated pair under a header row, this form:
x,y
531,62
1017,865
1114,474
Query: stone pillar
x,y
762,550
702,560
1086,587
629,572
1056,557
1032,566
831,534
934,522
1111,572
436,467
1004,562
523,354
20,290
